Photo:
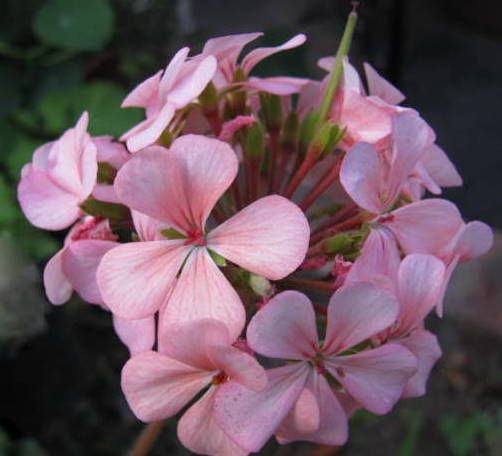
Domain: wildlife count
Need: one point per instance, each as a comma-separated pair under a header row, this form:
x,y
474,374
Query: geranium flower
x,y
191,357
61,177
298,402
180,187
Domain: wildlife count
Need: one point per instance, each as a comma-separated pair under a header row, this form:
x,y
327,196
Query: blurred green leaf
x,y
10,89
75,24
409,443
20,154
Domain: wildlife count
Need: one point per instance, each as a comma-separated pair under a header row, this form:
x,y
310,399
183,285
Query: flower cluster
x,y
269,242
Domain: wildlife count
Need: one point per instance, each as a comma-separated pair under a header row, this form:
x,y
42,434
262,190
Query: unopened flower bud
x,y
254,140
260,285
271,109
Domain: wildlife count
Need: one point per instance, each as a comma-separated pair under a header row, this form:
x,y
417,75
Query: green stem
x,y
337,72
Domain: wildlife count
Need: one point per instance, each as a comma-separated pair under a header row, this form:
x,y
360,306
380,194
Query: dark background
x,y
59,367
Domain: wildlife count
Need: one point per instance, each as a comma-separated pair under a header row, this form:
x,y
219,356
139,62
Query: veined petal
x,y
135,278
357,312
375,378
202,291
137,335
199,432
80,264
148,228
57,286
250,418
424,345
141,96
332,426
157,387
382,88
474,240
285,327
279,85
440,168
179,186
269,237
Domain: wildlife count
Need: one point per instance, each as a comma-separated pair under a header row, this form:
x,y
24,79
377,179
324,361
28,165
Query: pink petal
x,y
45,204
172,72
137,335
142,95
361,175
110,151
188,342
279,85
239,366
135,278
285,327
148,228
179,186
250,418
357,312
420,281
230,127
259,54
425,226
269,237
80,264
382,88
447,276
151,131
350,81
199,432
375,378
57,287
202,291
424,345
104,192
157,387
440,167
475,239
379,257
332,426
230,46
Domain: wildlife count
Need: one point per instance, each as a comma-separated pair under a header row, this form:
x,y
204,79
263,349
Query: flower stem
x,y
145,441
273,143
308,283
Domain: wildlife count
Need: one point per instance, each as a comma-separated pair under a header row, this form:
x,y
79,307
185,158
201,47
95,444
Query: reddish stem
x,y
306,165
352,222
146,440
308,283
342,214
214,120
323,184
273,158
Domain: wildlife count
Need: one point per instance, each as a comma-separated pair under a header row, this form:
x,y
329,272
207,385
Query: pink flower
x,y
375,184
227,49
179,187
164,93
191,357
298,402
60,178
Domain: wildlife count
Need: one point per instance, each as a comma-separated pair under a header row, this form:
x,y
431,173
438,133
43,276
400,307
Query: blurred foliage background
x,y
59,367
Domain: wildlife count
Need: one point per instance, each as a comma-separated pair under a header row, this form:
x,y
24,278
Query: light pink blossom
x,y
180,187
298,402
164,93
191,357
60,177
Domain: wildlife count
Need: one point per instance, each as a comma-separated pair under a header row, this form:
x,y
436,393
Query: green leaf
x,y
75,24
20,154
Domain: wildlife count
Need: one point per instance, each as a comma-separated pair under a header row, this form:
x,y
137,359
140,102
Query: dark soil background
x,y
59,367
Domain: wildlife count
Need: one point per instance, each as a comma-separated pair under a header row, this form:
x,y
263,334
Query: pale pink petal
x,y
350,81
80,264
105,192
179,186
379,257
447,276
333,426
148,228
279,85
40,159
423,177
250,418
135,278
424,345
157,387
475,240
188,342
239,366
440,167
137,335
382,88
362,177
269,237
229,46
151,132
285,327
45,204
202,291
411,136
57,286
172,71
110,151
420,281
142,95
230,127
357,312
375,378
259,54
199,432
191,86
308,98
425,226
